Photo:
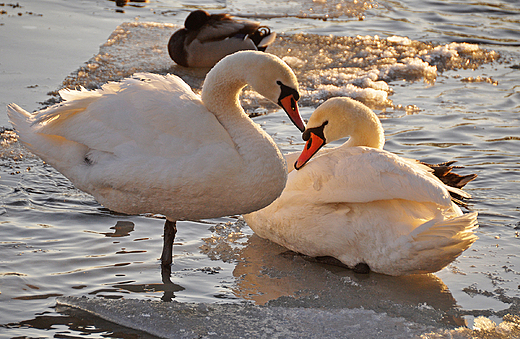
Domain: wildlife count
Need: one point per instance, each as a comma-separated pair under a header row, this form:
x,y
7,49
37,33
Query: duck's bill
x,y
312,146
290,106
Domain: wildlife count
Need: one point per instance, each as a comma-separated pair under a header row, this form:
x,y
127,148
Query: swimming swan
x,y
205,38
363,205
148,144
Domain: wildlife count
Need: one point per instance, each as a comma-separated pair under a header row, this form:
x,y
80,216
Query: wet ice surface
x,y
360,67
185,320
188,320
82,249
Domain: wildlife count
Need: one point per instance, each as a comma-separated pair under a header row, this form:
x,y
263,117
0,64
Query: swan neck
x,y
368,132
220,95
222,99
263,165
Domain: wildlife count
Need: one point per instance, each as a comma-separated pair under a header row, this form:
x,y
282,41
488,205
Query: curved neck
x,y
220,94
367,131
263,165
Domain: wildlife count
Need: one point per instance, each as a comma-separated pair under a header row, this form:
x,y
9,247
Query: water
x,y
56,240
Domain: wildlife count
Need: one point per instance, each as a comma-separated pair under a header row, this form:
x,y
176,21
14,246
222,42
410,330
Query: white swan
x,y
363,205
205,38
148,144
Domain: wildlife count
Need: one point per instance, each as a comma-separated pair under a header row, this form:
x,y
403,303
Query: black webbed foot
x,y
361,268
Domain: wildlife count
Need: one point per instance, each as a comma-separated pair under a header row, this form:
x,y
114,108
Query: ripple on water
x,y
439,101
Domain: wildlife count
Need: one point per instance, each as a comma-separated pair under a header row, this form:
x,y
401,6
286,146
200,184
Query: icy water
x,y
446,102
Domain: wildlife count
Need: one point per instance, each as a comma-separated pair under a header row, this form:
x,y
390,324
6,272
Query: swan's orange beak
x,y
290,107
313,145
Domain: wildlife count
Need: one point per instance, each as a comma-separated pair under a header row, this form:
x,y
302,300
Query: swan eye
x,y
308,144
318,131
288,91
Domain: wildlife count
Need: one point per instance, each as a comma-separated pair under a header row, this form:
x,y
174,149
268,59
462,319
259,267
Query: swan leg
x,y
170,228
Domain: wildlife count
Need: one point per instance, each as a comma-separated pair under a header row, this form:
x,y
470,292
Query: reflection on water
x,y
121,229
168,289
70,322
266,274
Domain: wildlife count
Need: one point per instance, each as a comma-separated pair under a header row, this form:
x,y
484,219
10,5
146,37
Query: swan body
x,y
148,144
361,204
205,38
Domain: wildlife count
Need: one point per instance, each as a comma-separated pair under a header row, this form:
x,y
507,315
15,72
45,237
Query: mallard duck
x,y
207,38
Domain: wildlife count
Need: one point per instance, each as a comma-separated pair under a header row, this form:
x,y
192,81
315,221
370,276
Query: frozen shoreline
x,y
190,320
202,320
359,67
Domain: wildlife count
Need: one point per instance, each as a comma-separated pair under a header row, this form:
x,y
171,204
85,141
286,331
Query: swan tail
x,y
21,121
457,193
435,244
454,182
444,171
53,149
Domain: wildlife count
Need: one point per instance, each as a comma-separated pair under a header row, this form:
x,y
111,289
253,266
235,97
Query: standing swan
x,y
367,207
148,144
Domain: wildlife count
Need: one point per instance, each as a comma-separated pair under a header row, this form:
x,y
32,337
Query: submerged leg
x,y
170,228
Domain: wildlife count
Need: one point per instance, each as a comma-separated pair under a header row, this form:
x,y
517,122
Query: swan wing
x,y
130,134
147,111
363,174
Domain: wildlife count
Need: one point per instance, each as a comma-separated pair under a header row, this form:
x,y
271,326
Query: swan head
x,y
338,118
268,75
276,81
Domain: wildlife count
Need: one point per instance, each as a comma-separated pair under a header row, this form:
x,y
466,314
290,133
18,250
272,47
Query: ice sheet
x,y
360,67
189,320
201,320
